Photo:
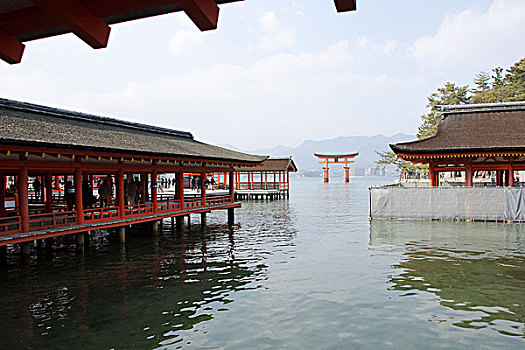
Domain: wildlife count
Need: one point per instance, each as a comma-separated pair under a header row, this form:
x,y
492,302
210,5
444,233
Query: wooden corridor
x,y
62,153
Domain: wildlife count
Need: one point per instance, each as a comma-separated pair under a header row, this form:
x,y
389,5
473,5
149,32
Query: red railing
x,y
246,185
47,220
169,205
10,225
138,209
192,202
62,217
214,200
101,214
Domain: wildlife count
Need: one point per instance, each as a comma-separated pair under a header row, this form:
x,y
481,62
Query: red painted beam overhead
x,y
89,19
204,13
345,5
11,50
79,19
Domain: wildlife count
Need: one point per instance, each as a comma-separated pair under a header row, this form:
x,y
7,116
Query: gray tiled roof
x,y
26,124
495,127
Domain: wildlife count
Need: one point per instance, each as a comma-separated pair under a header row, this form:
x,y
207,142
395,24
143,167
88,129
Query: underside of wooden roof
x,y
89,20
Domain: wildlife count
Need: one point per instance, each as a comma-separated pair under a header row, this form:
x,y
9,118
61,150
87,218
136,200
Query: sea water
x,y
311,272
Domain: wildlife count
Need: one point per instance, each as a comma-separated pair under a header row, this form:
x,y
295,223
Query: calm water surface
x,y
311,272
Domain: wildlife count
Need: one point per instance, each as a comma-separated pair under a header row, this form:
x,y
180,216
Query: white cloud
x,y
276,35
281,92
274,75
471,36
384,48
185,39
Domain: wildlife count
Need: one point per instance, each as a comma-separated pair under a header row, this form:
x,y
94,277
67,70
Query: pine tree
x,y
482,81
498,80
449,94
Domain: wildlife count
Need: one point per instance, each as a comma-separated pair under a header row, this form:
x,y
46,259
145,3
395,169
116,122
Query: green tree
x,y
449,94
482,82
388,158
498,80
502,86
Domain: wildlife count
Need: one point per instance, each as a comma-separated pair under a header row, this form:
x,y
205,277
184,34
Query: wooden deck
x,y
260,194
57,223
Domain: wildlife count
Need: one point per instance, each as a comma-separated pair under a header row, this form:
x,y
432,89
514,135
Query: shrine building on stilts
x,y
65,172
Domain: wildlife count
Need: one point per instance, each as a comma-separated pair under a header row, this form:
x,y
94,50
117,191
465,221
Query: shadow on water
x,y
475,269
147,295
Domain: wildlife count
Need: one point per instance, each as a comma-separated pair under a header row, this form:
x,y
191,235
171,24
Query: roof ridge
x,y
72,115
478,107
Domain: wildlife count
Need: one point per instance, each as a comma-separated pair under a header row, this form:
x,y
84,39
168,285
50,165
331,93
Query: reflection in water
x,y
477,269
149,296
312,272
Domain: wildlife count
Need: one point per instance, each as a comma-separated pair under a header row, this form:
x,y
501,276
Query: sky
x,y
275,72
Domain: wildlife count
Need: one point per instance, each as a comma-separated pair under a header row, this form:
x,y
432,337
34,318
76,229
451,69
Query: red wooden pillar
x,y
143,186
57,184
468,176
154,190
347,174
2,195
232,188
287,184
511,175
78,196
179,188
203,189
432,176
48,186
326,174
22,198
498,178
266,180
120,193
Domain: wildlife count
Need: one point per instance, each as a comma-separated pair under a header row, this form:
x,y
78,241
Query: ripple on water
x,y
311,272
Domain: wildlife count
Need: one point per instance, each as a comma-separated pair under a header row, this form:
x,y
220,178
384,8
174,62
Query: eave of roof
x,y
273,164
41,127
478,128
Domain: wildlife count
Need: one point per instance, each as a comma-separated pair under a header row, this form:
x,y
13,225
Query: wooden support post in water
x,y
347,174
80,239
122,234
203,219
180,222
3,252
155,226
80,242
25,248
231,216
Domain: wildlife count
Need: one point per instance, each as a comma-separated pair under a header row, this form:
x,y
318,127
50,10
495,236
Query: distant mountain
x,y
303,154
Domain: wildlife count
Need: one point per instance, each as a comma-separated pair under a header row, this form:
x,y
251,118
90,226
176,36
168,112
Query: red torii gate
x,y
89,20
336,159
